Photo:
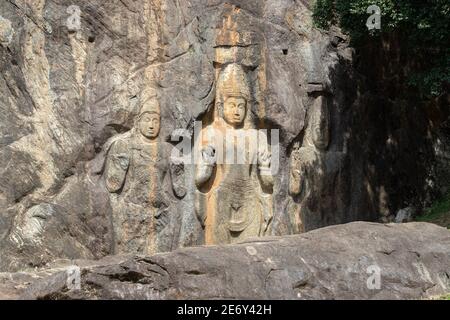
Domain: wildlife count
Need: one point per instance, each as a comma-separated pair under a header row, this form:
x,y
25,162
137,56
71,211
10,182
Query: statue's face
x,y
234,110
149,125
320,128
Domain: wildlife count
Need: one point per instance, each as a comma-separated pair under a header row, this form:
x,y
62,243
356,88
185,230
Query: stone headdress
x,y
232,82
150,106
149,103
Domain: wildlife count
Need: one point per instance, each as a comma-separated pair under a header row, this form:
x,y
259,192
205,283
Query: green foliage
x,y
431,81
439,213
323,14
441,297
423,25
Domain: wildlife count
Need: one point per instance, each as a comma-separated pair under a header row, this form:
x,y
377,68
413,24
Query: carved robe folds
x,y
235,202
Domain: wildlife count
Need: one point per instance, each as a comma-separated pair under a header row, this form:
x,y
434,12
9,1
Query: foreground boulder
x,y
337,262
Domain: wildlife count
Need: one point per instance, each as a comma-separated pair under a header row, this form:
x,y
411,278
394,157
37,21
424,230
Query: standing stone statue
x,y
144,185
306,167
234,200
315,143
314,172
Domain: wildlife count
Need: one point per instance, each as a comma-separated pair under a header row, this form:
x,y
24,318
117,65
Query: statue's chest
x,y
241,155
147,165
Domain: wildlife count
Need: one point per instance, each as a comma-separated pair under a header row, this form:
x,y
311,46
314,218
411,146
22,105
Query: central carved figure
x,y
233,173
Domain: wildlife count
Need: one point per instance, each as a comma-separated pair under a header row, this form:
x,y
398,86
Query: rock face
x,y
76,78
338,262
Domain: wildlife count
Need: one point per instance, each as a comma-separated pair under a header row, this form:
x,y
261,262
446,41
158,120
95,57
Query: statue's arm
x,y
265,163
117,163
203,173
177,177
295,175
205,167
295,180
266,177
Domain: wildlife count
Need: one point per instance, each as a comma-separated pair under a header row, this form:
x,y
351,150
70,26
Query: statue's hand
x,y
117,165
161,219
264,159
123,160
177,176
177,166
297,167
296,174
209,155
176,161
296,155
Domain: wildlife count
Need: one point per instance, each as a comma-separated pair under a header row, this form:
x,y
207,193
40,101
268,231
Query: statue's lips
x,y
151,133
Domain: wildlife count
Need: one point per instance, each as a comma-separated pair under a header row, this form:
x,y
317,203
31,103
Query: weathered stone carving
x,y
234,199
144,184
315,142
318,185
296,181
308,164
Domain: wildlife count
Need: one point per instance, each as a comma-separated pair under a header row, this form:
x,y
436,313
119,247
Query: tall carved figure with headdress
x,y
144,184
316,174
233,171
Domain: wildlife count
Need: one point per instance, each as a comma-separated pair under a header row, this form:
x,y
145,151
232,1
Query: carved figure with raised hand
x,y
234,178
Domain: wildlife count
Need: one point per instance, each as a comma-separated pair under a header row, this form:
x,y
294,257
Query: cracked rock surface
x,y
330,263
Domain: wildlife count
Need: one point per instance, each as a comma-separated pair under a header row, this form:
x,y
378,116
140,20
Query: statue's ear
x,y
136,120
219,107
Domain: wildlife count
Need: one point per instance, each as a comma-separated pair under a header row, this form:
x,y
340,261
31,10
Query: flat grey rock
x,y
331,263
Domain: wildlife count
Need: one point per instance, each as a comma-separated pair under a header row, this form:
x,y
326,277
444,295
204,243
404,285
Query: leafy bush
x,y
439,213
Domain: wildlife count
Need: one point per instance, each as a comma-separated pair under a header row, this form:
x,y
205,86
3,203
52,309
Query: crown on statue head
x,y
233,82
150,106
